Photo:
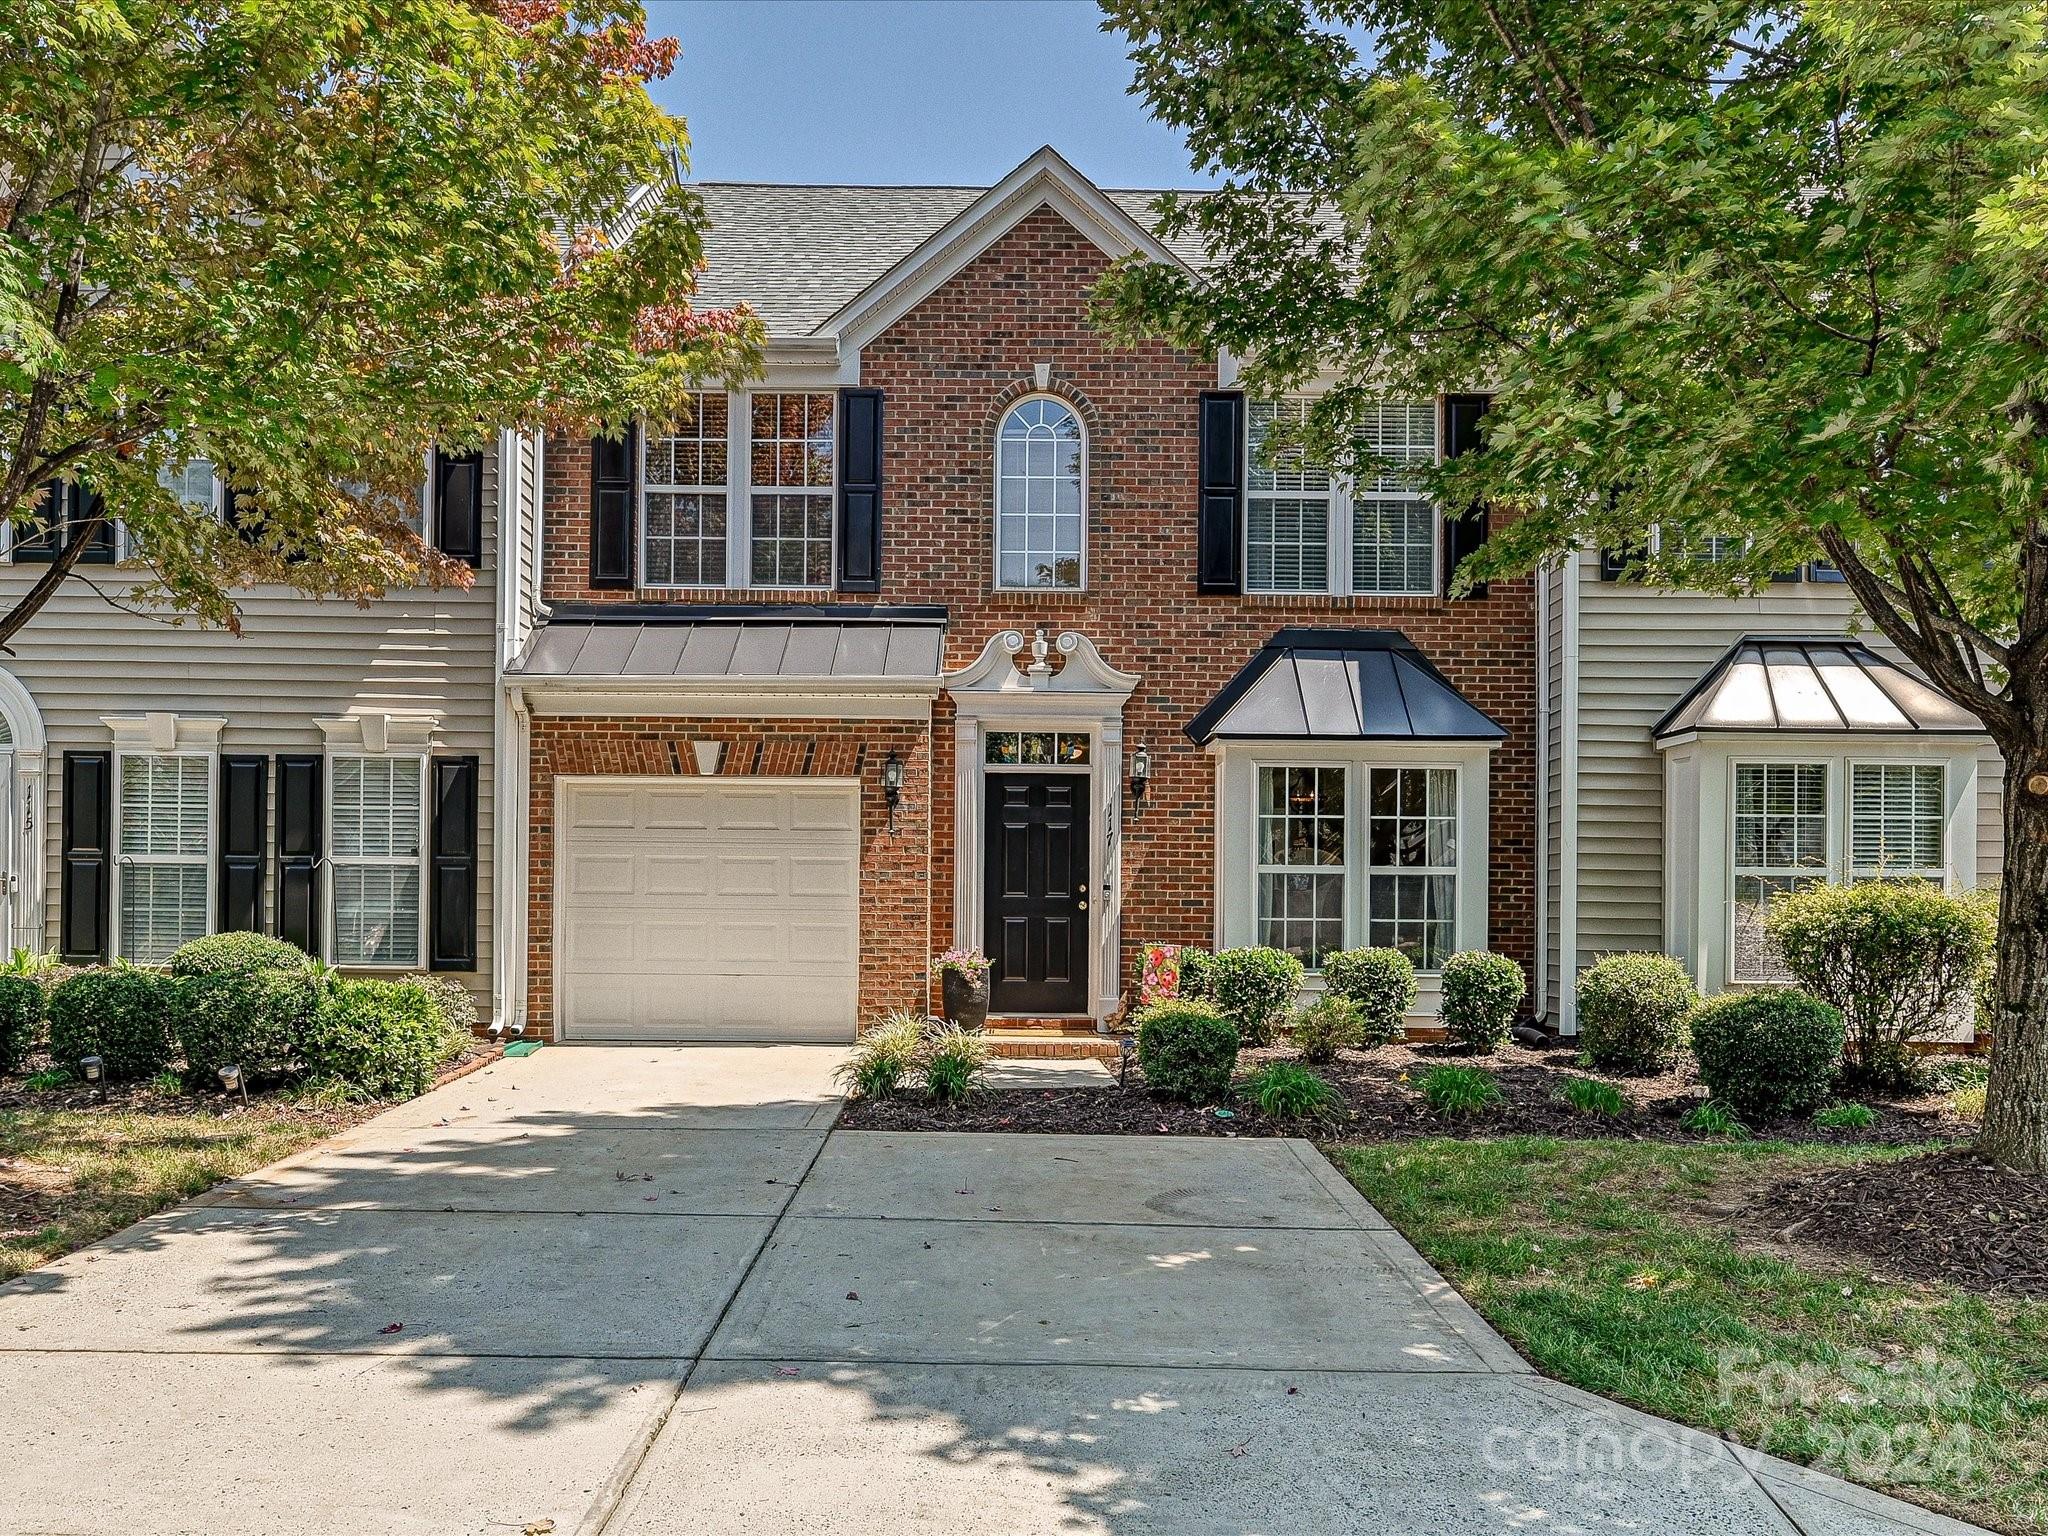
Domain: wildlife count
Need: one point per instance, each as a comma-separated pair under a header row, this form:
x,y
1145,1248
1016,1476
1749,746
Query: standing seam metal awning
x,y
1341,685
1822,683
826,648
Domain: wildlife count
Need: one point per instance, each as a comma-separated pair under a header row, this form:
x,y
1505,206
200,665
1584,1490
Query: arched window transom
x,y
1041,468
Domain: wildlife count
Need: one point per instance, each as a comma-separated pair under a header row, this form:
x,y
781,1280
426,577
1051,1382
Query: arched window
x,y
1041,472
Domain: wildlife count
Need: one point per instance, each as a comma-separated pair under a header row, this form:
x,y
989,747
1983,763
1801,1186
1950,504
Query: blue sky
x,y
893,91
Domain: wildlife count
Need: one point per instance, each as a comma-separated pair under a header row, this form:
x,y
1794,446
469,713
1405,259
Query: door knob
x,y
1081,905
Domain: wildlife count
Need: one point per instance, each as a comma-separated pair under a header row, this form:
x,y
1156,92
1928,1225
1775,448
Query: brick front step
x,y
1046,1039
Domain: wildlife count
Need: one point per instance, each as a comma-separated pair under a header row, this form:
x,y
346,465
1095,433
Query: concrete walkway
x,y
638,1292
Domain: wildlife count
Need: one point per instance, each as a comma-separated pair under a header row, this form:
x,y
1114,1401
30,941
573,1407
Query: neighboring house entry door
x,y
1035,897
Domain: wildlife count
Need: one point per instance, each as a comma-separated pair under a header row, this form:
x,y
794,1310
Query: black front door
x,y
1035,893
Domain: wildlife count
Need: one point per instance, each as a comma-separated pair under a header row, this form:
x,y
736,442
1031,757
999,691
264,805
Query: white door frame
x,y
21,832
1086,695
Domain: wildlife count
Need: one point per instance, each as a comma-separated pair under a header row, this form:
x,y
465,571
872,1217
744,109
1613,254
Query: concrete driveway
x,y
639,1292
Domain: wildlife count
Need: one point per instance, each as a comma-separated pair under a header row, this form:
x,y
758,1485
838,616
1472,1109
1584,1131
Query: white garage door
x,y
716,911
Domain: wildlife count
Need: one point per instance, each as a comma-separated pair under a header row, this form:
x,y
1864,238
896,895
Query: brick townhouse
x,y
965,627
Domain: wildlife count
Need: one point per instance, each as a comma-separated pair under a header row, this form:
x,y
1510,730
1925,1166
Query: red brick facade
x,y
947,370
895,865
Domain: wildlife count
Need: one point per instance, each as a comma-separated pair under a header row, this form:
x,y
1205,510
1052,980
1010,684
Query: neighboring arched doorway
x,y
21,804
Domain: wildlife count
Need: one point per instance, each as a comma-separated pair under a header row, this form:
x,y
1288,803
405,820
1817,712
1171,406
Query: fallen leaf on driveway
x,y
392,1328
538,1528
853,1295
787,1370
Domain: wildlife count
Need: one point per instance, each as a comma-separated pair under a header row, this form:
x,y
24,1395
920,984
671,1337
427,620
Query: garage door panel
x,y
710,911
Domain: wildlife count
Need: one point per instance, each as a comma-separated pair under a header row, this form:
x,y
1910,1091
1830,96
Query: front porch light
x,y
1141,775
892,785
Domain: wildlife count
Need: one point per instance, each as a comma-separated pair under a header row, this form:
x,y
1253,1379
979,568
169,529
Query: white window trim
x,y
123,555
376,736
1236,833
739,500
996,494
160,734
1344,497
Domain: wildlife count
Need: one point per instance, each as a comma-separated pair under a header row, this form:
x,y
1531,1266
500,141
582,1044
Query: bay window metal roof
x,y
1341,685
731,645
1817,683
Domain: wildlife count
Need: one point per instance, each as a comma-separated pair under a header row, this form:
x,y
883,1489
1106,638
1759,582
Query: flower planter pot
x,y
965,996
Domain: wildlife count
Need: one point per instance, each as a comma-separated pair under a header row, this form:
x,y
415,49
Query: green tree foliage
x,y
1771,281
309,240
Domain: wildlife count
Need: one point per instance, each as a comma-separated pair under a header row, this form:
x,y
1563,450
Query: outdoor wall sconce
x,y
95,1073
892,785
1141,775
231,1081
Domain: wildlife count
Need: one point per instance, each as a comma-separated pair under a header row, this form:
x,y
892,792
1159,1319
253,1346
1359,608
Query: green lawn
x,y
1615,1266
69,1177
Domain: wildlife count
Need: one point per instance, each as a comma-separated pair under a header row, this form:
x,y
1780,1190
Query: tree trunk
x,y
2016,1100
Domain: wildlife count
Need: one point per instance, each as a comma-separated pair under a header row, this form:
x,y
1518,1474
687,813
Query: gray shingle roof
x,y
798,254
1811,683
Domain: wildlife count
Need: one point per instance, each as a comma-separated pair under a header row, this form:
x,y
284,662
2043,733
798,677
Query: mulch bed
x,y
1946,1216
1381,1102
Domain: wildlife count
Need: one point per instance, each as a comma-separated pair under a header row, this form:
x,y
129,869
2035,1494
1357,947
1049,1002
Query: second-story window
x,y
791,504
1309,531
1041,477
683,482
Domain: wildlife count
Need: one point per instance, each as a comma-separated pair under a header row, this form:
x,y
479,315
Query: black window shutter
x,y
458,496
452,918
1219,519
860,490
300,840
87,870
244,820
1464,531
63,505
611,508
1614,563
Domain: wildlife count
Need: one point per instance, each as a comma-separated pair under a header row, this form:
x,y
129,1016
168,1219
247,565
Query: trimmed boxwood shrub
x,y
21,1019
1767,1053
121,1014
457,1006
1632,1011
1197,966
1381,982
235,952
381,1038
1899,959
1482,990
1324,1027
1253,987
1188,1049
259,1021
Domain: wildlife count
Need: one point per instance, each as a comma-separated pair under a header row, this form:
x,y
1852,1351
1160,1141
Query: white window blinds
x,y
1895,821
165,813
377,850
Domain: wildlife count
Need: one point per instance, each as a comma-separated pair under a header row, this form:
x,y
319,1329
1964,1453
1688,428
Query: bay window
x,y
377,843
1412,863
1301,858
1896,822
163,866
1780,831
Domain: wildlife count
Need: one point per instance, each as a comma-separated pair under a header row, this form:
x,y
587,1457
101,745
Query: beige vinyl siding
x,y
1639,650
409,653
1990,817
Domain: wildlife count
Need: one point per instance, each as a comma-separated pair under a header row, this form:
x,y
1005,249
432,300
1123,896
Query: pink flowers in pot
x,y
969,962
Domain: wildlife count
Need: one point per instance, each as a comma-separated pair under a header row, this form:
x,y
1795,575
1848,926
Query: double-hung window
x,y
163,887
377,842
685,499
1301,860
1897,822
742,493
1307,530
1412,863
1780,829
791,472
